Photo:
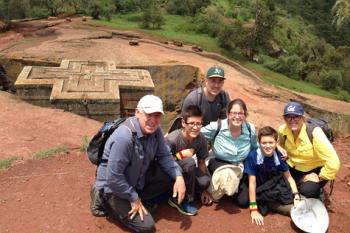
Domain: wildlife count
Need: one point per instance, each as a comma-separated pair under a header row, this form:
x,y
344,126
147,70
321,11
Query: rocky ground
x,y
52,195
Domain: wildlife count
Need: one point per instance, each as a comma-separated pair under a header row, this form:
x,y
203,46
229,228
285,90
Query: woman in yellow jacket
x,y
311,164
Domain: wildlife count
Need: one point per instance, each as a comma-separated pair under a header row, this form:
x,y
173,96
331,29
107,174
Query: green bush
x,y
104,8
208,22
344,95
152,18
290,66
331,80
313,77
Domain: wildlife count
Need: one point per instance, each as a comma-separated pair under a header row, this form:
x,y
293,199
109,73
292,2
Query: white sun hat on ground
x,y
310,215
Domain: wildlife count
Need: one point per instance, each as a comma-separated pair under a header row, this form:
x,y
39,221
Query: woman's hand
x,y
257,218
284,153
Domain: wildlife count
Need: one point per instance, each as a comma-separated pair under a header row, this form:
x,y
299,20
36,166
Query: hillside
x,y
52,195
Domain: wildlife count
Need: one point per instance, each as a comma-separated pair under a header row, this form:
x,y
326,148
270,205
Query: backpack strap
x,y
217,130
200,93
309,129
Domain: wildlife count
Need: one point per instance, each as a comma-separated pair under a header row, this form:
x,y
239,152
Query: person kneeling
x,y
271,185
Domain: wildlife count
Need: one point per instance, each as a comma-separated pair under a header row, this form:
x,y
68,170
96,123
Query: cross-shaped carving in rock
x,y
85,87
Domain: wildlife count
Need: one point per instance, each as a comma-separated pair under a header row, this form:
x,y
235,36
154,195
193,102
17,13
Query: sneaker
x,y
96,204
184,208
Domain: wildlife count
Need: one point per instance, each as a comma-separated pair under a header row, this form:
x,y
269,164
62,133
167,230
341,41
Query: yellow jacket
x,y
305,156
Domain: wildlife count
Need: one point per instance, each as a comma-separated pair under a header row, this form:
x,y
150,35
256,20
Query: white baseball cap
x,y
150,104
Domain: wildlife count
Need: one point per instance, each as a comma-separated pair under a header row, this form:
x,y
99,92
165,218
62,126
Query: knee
x,y
310,189
146,226
203,181
189,165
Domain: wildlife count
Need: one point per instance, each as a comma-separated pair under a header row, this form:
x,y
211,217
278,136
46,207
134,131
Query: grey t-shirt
x,y
211,111
177,143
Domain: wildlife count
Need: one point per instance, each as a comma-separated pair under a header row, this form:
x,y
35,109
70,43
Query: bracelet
x,y
179,155
252,203
296,193
253,209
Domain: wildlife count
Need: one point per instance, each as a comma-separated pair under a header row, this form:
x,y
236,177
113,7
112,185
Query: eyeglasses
x,y
292,117
193,124
240,114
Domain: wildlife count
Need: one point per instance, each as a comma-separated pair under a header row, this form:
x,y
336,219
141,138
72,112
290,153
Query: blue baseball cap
x,y
293,108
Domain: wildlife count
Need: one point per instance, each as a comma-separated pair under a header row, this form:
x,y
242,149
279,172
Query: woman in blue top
x,y
232,144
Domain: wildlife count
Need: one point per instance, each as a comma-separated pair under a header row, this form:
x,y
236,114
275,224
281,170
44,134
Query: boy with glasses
x,y
184,144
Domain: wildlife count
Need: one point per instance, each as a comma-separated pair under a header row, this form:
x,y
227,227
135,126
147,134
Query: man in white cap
x,y
138,167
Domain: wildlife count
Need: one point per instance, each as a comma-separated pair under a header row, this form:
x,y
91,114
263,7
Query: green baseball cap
x,y
216,71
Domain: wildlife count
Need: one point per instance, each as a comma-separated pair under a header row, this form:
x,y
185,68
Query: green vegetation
x,y
6,163
51,151
176,28
283,81
308,41
84,144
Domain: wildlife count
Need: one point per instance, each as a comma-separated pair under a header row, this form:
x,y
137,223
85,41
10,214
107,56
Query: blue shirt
x,y
262,167
226,147
128,161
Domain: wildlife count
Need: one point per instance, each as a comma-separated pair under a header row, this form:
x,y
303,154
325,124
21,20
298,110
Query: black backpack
x,y
96,145
312,123
176,122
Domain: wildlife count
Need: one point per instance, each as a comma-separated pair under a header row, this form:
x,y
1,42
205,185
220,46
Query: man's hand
x,y
257,218
284,153
311,177
137,207
179,189
206,198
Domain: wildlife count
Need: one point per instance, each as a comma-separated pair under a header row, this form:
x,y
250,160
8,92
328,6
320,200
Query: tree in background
x,y
262,31
331,80
209,20
341,13
104,8
152,17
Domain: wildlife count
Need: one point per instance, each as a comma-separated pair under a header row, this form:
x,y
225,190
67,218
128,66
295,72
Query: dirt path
x,y
52,195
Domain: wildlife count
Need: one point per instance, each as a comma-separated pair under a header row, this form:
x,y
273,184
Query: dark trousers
x,y
157,182
196,181
308,188
241,198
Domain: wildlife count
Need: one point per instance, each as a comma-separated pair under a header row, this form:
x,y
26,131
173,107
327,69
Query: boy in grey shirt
x,y
184,144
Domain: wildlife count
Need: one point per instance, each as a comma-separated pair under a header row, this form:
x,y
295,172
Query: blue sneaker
x,y
184,208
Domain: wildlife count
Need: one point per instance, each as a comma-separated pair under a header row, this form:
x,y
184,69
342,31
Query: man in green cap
x,y
211,99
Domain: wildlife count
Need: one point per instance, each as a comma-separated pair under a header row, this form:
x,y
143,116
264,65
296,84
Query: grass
x,y
84,144
51,151
183,29
175,28
6,163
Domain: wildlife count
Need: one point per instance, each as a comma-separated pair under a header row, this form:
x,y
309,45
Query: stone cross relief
x,y
92,80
